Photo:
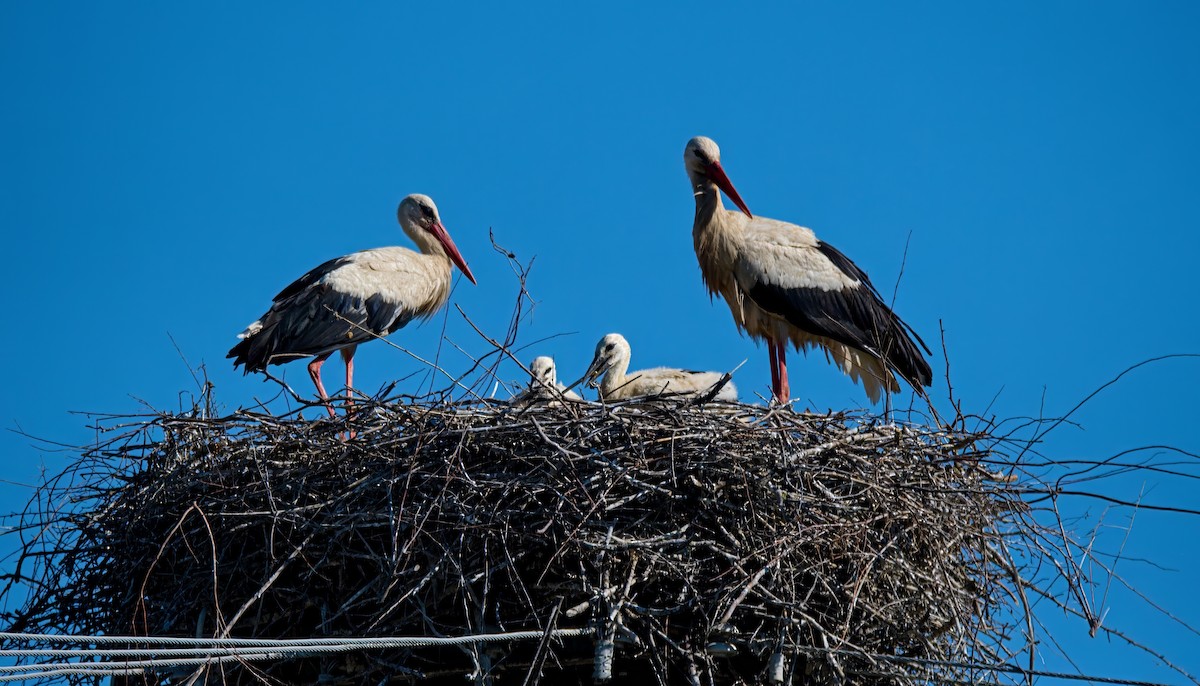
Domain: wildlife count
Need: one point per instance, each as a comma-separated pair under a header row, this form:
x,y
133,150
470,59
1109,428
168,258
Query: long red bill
x,y
717,174
443,236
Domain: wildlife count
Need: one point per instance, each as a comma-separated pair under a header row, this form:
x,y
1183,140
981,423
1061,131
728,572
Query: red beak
x,y
717,174
439,232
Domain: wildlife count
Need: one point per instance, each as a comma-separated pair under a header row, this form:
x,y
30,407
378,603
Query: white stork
x,y
612,360
543,383
352,299
784,284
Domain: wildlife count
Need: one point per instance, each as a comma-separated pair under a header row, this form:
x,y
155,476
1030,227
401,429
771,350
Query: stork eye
x,y
608,347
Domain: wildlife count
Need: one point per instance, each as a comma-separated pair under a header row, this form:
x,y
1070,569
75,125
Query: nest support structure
x,y
710,544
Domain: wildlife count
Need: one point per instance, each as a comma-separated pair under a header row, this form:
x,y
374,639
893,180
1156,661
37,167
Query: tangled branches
x,y
727,542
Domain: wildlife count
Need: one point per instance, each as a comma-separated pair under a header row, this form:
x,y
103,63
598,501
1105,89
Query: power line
x,y
209,651
380,642
1005,668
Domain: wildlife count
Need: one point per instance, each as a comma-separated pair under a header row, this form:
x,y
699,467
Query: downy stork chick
x,y
355,298
543,384
782,284
612,360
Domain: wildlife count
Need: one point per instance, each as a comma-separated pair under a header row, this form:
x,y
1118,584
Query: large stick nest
x,y
717,543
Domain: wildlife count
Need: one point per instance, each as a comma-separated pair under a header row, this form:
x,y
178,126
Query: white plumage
x,y
784,284
355,298
612,360
544,385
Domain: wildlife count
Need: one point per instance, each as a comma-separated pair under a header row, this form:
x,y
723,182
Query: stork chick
x,y
543,384
612,360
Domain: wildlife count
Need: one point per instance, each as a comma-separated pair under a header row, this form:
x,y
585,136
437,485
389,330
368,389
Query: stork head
x,y
420,220
611,351
702,158
542,371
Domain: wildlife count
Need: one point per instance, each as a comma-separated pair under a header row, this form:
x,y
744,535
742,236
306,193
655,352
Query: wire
x,y
1003,668
209,651
381,642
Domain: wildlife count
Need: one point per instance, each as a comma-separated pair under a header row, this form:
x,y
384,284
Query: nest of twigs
x,y
703,544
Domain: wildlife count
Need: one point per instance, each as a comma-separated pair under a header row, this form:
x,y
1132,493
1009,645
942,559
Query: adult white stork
x,y
784,284
612,360
543,384
352,299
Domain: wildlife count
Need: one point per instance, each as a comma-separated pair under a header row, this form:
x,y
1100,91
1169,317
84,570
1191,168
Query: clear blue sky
x,y
166,168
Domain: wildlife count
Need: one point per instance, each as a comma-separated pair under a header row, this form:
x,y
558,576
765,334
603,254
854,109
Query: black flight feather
x,y
856,317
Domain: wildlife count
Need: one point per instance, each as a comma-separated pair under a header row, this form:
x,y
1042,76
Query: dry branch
x,y
731,541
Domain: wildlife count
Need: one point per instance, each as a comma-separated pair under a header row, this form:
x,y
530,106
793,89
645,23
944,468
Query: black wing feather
x,y
313,319
855,316
852,270
311,277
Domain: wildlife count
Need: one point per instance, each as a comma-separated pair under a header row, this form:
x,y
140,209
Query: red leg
x,y
314,372
785,393
348,356
774,368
